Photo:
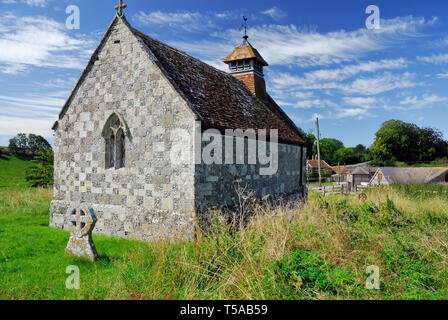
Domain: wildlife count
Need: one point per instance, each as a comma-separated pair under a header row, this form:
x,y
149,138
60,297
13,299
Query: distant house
x,y
341,170
314,165
387,176
340,173
360,175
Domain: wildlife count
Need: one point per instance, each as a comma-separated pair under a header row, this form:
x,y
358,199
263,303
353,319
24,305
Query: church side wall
x,y
217,184
149,198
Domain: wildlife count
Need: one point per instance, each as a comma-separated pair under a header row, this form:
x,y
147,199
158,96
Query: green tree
x,y
310,144
360,148
328,149
347,156
397,141
41,173
363,153
406,142
18,144
35,142
433,146
22,144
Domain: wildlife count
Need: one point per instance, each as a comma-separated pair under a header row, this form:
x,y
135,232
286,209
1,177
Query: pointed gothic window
x,y
115,143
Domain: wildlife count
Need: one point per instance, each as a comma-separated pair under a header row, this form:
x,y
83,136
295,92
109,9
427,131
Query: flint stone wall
x,y
149,198
218,185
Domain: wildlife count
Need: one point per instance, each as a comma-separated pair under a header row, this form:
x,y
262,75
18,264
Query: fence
x,y
332,189
361,188
338,189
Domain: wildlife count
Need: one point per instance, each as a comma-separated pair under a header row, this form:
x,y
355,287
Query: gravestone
x,y
82,221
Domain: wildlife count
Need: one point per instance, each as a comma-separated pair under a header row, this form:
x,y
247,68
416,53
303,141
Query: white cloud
x,y
40,42
33,106
359,113
31,114
349,71
35,3
186,21
67,83
358,101
426,100
275,13
287,44
364,86
38,3
443,75
435,59
382,83
159,17
13,125
315,103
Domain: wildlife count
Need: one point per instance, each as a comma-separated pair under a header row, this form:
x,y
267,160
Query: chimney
x,y
246,63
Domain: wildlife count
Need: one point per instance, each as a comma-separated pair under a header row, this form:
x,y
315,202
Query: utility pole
x,y
318,150
339,172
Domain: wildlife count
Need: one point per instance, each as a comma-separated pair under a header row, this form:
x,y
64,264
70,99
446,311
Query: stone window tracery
x,y
115,143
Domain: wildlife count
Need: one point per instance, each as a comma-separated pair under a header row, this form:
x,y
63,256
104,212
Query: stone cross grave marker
x,y
82,221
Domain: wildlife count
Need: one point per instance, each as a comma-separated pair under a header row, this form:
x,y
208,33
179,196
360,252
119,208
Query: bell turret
x,y
246,63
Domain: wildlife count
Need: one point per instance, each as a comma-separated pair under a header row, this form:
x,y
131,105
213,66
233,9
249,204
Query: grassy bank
x,y
316,251
12,172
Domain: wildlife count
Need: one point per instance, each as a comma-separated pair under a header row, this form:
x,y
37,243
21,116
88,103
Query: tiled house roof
x,y
361,171
341,170
315,164
411,175
219,99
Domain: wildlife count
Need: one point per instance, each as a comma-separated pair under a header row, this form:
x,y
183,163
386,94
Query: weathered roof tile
x,y
221,100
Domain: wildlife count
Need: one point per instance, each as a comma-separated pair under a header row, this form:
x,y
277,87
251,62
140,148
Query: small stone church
x,y
115,136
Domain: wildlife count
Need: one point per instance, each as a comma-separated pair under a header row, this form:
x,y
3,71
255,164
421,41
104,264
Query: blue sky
x,y
323,59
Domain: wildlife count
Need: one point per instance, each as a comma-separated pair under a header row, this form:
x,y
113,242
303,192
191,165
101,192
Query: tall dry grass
x,y
317,250
25,201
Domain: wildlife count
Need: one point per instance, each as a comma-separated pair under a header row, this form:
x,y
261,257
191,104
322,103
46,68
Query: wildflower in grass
x,y
297,281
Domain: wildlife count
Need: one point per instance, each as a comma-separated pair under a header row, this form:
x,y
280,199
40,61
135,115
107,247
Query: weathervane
x,y
120,8
245,28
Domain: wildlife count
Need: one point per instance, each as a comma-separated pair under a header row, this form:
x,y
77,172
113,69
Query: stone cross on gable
x,y
82,221
120,7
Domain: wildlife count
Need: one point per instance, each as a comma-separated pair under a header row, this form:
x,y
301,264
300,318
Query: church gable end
x,y
113,142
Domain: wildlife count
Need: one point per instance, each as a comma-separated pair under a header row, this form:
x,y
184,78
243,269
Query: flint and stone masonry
x,y
139,82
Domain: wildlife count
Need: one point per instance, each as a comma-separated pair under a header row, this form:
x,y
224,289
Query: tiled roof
x,y
219,99
361,171
315,164
245,51
341,170
412,175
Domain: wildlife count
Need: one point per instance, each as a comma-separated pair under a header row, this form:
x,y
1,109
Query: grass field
x,y
319,250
